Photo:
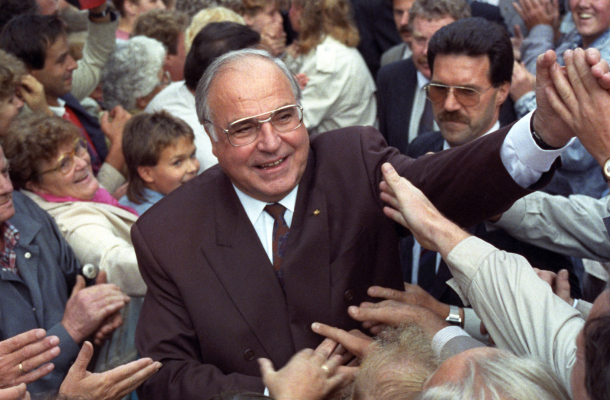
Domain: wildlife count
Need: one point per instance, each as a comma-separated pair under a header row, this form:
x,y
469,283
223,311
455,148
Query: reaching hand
x,y
109,385
394,313
309,375
354,341
559,282
537,12
522,82
412,209
413,295
547,123
88,307
581,103
18,392
25,358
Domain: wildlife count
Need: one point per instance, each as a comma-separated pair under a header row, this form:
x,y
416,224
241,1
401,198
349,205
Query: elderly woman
x,y
50,163
340,91
134,74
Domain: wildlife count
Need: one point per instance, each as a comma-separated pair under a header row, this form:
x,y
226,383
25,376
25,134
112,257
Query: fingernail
x,y
40,333
54,340
315,326
386,167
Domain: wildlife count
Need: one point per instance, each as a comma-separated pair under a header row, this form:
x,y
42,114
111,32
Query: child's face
x,y
177,165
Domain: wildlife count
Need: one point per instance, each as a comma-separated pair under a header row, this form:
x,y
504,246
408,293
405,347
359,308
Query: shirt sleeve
x,y
523,159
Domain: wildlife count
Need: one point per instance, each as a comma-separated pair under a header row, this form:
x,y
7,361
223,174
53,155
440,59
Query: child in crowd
x,y
159,152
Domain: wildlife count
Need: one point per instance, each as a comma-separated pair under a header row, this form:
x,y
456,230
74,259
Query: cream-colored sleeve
x,y
110,178
101,41
519,310
93,237
572,226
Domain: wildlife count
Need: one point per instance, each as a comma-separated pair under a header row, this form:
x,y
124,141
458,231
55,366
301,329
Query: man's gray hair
x,y
132,71
502,375
242,58
437,9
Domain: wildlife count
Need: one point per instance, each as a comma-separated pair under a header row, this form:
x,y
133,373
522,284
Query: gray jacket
x,y
37,298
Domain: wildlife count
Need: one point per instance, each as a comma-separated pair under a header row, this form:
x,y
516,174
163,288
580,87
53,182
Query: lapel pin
x,y
316,212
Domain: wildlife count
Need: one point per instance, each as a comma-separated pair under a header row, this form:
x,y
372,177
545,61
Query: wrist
x,y
541,138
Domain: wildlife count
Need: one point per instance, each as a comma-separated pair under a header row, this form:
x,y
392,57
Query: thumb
x,y
266,367
562,284
80,285
389,173
82,360
101,278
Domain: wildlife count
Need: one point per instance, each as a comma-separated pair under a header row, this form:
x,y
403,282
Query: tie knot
x,y
276,210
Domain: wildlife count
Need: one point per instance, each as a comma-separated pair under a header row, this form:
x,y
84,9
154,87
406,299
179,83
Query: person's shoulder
x,y
193,197
425,143
397,70
348,140
172,96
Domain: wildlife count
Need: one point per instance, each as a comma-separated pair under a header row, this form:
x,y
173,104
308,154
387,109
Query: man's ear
x,y
503,92
145,173
33,186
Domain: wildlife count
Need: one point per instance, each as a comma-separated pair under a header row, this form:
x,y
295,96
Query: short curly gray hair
x,y
132,71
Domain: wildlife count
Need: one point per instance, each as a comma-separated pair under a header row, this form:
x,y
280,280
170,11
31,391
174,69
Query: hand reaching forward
x,y
18,392
32,351
547,123
412,209
309,375
580,101
109,385
88,307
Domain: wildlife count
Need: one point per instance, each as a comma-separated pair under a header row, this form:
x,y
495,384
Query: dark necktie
x,y
280,233
426,123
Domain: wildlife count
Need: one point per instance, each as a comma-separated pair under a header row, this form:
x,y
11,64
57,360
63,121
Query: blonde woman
x,y
340,91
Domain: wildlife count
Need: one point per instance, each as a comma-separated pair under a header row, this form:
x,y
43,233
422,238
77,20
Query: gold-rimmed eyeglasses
x,y
437,93
66,161
245,131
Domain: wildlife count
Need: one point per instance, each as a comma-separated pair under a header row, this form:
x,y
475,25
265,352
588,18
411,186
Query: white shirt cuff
x,y
521,156
444,335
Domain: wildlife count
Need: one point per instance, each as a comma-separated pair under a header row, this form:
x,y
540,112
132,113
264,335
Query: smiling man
x,y
288,230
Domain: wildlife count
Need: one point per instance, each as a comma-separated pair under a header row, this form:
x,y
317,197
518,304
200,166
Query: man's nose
x,y
451,103
269,138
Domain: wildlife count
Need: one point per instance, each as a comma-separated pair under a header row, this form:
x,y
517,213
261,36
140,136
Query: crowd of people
x,y
304,199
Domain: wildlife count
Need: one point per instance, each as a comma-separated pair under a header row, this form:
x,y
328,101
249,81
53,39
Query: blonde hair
x,y
207,16
400,362
326,17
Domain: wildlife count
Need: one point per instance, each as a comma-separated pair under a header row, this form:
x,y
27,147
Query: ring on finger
x,y
326,369
21,368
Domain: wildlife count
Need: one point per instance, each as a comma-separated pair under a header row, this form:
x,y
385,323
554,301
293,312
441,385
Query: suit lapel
x,y
244,270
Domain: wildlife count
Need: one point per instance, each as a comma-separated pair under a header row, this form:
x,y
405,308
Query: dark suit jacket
x,y
214,304
437,286
377,30
396,84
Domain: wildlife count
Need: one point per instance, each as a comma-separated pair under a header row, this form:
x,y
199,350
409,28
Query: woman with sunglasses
x,y
49,162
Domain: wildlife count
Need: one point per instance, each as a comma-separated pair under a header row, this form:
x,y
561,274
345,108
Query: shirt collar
x,y
421,80
494,128
60,110
254,207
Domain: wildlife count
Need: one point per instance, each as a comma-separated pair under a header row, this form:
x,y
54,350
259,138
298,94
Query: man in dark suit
x,y
402,108
231,280
471,62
